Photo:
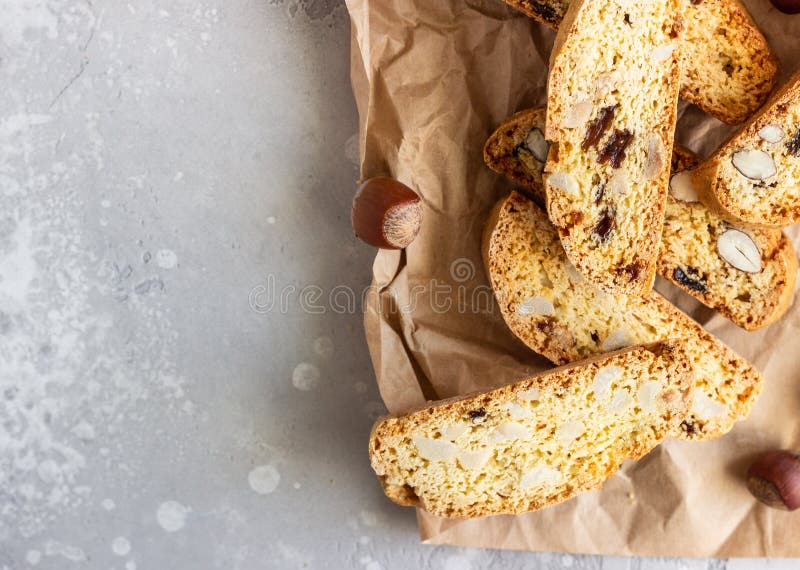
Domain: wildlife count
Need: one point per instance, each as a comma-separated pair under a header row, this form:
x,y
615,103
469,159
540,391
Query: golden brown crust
x,y
445,487
525,264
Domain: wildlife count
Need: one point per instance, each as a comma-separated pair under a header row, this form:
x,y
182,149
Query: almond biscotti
x,y
611,108
699,251
537,442
754,178
748,275
729,68
557,313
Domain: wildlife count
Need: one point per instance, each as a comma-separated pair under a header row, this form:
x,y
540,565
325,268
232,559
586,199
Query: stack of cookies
x,y
606,202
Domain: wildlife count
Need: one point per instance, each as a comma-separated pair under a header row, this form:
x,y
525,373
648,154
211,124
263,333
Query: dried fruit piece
x,y
690,278
602,229
738,249
793,146
774,479
631,270
754,164
682,188
599,191
771,133
536,143
598,127
615,147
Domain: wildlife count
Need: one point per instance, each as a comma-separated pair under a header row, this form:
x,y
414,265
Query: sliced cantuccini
x,y
754,178
611,108
748,275
729,69
537,442
552,309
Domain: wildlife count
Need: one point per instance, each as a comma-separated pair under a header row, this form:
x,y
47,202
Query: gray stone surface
x,y
163,165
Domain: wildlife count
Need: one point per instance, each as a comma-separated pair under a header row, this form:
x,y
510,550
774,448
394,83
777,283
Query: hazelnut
x,y
386,213
787,6
774,479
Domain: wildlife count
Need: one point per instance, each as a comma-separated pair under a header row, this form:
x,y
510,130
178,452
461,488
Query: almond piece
x,y
538,146
647,395
579,114
472,460
661,53
435,449
616,340
705,408
536,306
539,476
507,431
771,133
655,156
682,188
570,431
564,181
739,249
618,184
619,401
604,378
517,412
754,164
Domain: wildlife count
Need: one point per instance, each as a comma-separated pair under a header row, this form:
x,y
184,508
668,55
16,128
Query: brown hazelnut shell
x,y
386,213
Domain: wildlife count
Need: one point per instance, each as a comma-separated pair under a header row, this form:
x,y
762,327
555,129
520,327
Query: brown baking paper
x,y
432,79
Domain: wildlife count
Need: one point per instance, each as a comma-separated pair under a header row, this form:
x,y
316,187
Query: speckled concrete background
x,y
183,383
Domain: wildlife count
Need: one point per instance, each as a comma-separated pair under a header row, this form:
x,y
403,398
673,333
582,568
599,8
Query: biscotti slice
x,y
748,275
537,442
557,313
729,68
518,149
754,178
611,107
698,249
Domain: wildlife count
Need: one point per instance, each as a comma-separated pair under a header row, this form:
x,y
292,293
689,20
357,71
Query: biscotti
x,y
612,127
751,291
557,313
729,68
748,275
537,442
754,178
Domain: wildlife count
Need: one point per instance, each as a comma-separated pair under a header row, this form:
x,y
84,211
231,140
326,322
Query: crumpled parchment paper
x,y
432,80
